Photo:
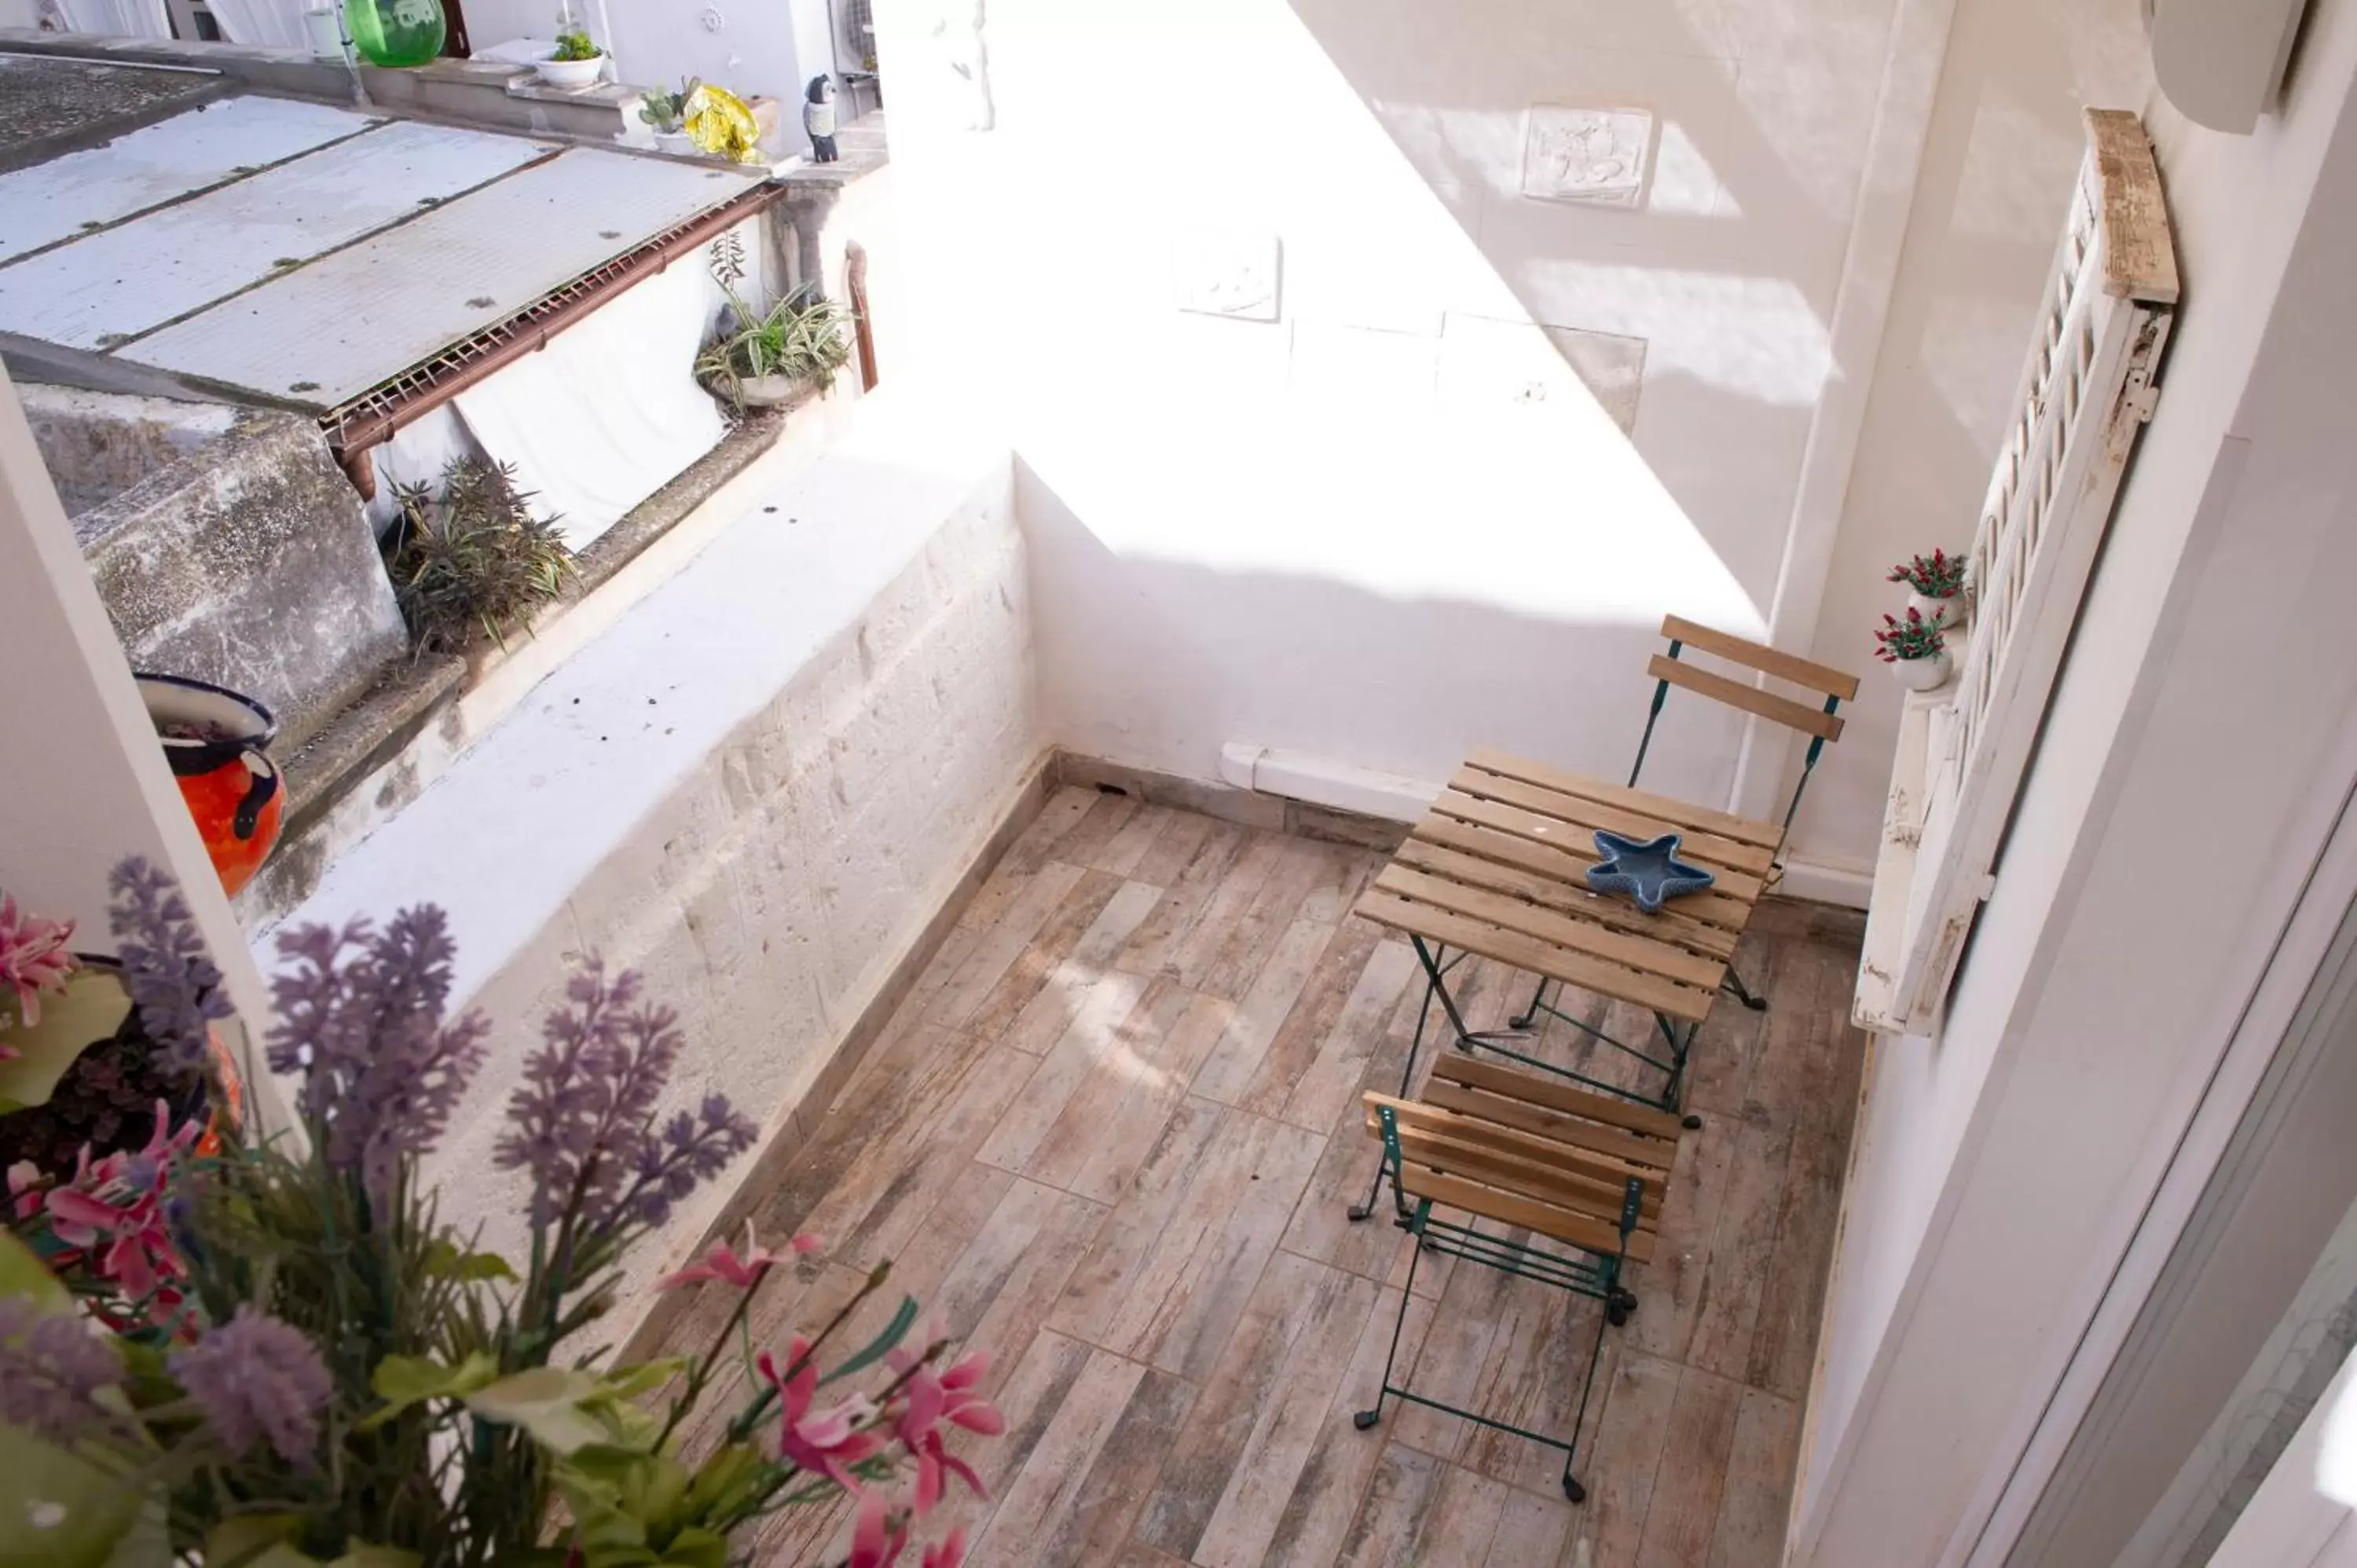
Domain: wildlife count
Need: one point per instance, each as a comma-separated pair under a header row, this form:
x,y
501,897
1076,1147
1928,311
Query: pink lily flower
x,y
23,1189
947,1553
744,1271
826,1443
33,959
930,1397
119,1201
878,1534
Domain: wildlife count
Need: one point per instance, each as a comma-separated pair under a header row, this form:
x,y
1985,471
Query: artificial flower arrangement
x,y
276,1355
1938,575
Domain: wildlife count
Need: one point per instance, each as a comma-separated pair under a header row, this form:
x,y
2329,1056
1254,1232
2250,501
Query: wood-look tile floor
x,y
1110,1136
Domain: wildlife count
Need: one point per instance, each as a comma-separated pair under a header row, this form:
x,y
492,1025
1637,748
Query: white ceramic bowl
x,y
571,73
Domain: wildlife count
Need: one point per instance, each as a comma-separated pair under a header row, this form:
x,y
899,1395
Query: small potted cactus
x,y
665,114
1916,648
1935,585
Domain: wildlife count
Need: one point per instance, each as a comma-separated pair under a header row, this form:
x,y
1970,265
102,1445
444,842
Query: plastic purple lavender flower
x,y
583,1123
52,1368
381,1072
171,980
257,1378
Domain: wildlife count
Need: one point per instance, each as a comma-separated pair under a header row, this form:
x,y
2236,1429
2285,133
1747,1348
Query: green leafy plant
x,y
802,338
1938,575
476,560
664,109
1897,641
576,45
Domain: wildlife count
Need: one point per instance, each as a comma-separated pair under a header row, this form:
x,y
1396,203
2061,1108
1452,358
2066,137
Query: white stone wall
x,y
756,788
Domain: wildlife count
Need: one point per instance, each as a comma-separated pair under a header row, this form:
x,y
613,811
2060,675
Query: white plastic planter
x,y
1923,674
570,74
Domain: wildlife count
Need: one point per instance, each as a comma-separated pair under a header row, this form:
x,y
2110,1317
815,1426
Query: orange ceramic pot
x,y
216,741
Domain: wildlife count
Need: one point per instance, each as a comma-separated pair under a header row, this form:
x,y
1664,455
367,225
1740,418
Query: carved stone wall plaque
x,y
1230,272
1595,157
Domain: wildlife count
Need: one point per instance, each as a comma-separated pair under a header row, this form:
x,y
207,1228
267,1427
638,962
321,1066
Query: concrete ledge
x,y
298,74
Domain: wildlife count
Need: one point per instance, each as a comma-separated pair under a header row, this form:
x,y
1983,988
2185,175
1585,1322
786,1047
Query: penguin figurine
x,y
818,119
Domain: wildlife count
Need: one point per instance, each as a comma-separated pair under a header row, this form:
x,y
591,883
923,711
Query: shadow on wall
x,y
1291,322
1185,655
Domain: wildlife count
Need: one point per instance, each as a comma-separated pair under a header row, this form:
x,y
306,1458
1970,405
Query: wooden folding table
x,y
1498,869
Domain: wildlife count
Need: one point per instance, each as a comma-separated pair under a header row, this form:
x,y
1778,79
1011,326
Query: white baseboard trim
x,y
1827,882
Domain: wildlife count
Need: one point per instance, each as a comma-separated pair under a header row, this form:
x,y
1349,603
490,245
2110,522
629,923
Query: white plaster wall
x,y
2003,149
1390,522
757,787
2005,1165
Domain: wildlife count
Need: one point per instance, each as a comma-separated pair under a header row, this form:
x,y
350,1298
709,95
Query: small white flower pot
x,y
767,391
677,143
570,74
1950,611
1923,674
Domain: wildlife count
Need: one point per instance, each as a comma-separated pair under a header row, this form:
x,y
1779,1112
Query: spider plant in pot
x,y
1935,585
1916,648
578,62
762,358
665,114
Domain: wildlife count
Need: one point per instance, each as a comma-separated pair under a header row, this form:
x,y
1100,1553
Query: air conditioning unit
x,y
2222,61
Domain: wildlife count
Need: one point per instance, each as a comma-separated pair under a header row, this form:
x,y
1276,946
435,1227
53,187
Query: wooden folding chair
x,y
1543,1159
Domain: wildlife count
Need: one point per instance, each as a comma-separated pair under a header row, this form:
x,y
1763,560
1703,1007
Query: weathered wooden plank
x,y
1535,955
1753,1505
1111,1122
1229,1073
1692,1480
1641,820
1646,955
1578,840
1609,911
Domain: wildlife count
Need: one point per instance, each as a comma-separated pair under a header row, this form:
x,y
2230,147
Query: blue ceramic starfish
x,y
1648,870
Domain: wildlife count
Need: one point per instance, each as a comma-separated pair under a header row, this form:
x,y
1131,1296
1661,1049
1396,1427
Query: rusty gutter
x,y
355,428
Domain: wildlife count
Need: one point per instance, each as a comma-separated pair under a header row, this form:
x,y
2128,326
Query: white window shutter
x,y
2086,390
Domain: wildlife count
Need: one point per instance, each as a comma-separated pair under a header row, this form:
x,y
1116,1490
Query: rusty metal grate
x,y
362,422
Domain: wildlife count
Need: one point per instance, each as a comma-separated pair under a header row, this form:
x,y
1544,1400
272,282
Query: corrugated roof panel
x,y
164,162
347,322
135,276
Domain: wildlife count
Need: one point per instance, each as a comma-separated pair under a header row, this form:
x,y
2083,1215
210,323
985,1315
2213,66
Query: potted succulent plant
x,y
665,114
578,62
1935,586
1915,649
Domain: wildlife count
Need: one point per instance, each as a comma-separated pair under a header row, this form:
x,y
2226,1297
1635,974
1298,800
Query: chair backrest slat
x,y
1750,698
1819,678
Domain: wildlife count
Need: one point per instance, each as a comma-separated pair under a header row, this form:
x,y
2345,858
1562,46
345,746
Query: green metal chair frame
x,y
1595,1274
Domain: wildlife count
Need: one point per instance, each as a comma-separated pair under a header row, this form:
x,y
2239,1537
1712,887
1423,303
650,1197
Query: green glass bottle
x,y
395,32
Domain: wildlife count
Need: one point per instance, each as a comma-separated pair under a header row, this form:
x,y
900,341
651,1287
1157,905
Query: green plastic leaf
x,y
57,1511
725,1478
644,1379
22,1273
405,1381
696,1547
90,1008
881,1346
545,1401
446,1260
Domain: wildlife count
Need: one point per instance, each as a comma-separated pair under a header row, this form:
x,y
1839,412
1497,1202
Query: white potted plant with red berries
x,y
1915,649
1935,586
